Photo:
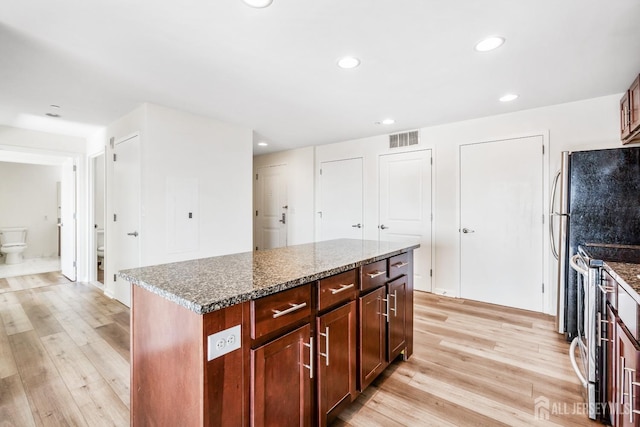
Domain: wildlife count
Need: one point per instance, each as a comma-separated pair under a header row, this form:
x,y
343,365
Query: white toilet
x,y
100,247
13,241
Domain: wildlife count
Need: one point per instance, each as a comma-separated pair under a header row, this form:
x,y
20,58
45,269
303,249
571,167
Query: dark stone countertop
x,y
209,284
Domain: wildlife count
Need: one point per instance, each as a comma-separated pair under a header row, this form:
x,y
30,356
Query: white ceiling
x,y
274,70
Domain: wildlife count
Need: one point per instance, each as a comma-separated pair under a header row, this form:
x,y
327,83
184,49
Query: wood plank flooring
x,y
64,360
64,354
475,364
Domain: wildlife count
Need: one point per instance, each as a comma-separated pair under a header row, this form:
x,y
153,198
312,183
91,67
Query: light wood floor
x,y
64,352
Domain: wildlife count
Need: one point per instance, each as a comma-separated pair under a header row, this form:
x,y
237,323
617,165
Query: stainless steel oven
x,y
586,344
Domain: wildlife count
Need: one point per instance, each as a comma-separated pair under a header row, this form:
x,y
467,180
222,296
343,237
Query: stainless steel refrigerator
x,y
599,203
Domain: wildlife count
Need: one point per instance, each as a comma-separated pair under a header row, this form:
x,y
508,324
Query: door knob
x,y
134,234
357,225
383,227
468,230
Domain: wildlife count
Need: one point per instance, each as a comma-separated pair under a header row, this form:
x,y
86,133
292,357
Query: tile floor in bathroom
x,y
30,266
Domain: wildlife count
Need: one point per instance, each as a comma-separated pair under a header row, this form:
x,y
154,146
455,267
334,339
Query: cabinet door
x,y
634,105
610,366
396,295
628,392
624,116
337,359
373,337
281,394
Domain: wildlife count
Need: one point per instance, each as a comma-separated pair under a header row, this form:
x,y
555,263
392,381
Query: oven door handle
x,y
572,357
573,261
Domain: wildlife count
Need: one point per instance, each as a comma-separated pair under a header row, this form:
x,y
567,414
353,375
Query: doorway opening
x,y
34,189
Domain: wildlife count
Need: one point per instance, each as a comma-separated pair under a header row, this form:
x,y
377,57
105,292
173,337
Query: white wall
x,y
300,178
581,125
47,144
28,196
188,147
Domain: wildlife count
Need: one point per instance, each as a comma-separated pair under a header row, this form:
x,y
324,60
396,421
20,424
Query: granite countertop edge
x,y
626,274
259,292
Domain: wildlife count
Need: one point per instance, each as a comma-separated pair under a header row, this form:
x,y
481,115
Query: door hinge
x,y
543,218
114,157
431,160
74,168
74,216
430,272
112,142
256,248
256,177
320,171
543,288
256,213
543,150
432,217
74,264
115,217
114,278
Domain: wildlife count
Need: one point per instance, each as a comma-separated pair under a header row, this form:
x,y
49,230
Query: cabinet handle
x,y
310,365
624,373
387,309
294,307
374,274
630,394
395,302
342,288
400,264
326,348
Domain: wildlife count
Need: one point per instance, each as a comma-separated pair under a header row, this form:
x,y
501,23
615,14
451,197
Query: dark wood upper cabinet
x,y
630,114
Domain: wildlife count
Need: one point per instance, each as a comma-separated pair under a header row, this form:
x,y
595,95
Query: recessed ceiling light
x,y
386,122
348,62
508,97
52,115
262,144
258,3
489,43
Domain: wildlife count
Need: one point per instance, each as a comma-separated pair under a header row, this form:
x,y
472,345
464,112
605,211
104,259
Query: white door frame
x,y
92,255
550,291
81,218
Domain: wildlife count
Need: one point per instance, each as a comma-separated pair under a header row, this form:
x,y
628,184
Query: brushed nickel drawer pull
x,y
342,288
376,274
400,264
294,307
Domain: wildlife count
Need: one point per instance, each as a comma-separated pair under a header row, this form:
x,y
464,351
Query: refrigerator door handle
x,y
552,213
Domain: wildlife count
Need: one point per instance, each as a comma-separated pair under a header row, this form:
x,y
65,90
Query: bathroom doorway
x,y
29,192
97,252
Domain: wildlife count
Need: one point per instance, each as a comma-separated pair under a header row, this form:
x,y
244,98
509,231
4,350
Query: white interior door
x,y
272,208
126,228
341,200
405,207
501,229
68,220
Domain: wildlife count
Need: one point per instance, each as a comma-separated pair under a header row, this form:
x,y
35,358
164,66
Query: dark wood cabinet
x,y
627,384
336,338
630,113
373,335
281,377
396,322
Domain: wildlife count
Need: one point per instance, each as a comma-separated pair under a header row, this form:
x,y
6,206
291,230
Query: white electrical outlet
x,y
223,342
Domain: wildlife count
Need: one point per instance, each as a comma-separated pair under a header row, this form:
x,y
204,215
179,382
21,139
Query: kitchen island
x,y
286,336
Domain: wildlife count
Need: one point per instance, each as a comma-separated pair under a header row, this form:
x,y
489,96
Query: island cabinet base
x,y
172,383
305,352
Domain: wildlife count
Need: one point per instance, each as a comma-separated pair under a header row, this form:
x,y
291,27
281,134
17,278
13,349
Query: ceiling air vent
x,y
404,139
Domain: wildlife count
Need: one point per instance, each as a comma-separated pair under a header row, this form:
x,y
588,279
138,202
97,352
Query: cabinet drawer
x,y
336,289
399,265
373,275
628,311
277,311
